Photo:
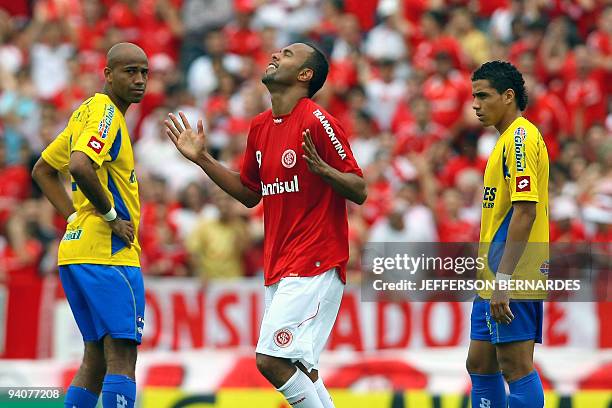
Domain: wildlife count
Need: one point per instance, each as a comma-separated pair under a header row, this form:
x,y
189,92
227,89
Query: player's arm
x,y
349,185
84,174
523,217
192,145
48,179
523,187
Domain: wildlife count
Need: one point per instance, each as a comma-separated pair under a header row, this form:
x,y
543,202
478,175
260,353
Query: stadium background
x,y
399,83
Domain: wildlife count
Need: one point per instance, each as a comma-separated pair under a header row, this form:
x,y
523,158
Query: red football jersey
x,y
306,227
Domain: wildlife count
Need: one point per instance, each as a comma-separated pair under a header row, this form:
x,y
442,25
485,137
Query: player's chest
x,y
279,152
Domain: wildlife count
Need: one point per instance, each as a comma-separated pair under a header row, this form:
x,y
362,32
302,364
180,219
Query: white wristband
x,y
71,217
110,215
502,277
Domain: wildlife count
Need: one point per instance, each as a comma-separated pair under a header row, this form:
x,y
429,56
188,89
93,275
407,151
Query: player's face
x,y
487,103
128,78
285,66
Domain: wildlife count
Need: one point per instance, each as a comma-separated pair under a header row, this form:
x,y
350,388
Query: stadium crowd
x,y
399,83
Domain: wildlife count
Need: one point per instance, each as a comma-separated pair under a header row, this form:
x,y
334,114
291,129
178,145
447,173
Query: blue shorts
x,y
527,323
105,299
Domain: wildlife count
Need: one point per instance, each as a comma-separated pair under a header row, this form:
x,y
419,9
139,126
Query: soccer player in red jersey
x,y
298,159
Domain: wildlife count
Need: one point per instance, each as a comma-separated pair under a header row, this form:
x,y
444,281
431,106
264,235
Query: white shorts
x,y
299,316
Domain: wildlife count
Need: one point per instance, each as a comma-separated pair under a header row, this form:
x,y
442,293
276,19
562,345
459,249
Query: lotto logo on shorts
x,y
523,183
95,144
283,338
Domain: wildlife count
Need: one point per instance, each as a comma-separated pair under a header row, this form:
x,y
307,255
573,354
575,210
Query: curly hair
x,y
502,76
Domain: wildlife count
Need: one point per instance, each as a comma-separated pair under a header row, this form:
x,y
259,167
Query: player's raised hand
x,y
190,143
315,163
123,229
500,307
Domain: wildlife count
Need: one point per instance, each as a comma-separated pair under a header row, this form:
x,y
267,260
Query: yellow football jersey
x,y
517,170
97,128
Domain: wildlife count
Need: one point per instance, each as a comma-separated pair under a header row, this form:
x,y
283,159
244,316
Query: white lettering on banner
x,y
180,315
330,133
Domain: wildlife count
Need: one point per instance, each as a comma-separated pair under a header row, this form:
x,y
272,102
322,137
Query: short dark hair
x,y
317,61
502,76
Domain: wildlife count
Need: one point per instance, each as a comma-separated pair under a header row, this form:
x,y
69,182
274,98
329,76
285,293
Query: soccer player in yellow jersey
x,y
514,240
99,253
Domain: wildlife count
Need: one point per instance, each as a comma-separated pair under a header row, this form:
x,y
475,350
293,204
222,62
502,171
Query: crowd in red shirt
x,y
399,83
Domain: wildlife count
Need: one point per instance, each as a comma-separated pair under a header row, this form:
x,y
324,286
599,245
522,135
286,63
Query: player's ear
x,y
305,74
108,74
509,96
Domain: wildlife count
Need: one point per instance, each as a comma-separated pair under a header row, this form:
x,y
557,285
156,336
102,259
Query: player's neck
x,y
119,103
507,121
283,101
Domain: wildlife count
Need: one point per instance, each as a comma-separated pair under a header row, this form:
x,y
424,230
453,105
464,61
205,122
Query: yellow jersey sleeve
x,y
57,154
99,132
522,164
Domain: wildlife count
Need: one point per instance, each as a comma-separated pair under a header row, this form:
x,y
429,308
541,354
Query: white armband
x,y
111,215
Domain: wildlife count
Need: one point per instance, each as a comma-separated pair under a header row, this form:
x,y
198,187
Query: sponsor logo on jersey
x,y
523,184
277,121
288,159
73,235
488,198
330,133
95,144
283,338
107,119
280,187
519,148
133,177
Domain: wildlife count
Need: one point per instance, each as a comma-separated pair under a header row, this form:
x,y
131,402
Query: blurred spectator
x,y
384,93
386,40
418,133
217,245
348,39
202,76
565,225
50,50
585,92
162,253
474,43
432,40
241,38
15,184
448,90
155,148
364,143
192,206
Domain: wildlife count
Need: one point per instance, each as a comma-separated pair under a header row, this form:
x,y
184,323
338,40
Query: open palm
x,y
190,143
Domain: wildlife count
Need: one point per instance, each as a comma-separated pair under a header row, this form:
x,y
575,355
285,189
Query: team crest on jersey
x,y
520,134
95,144
107,119
288,159
283,338
544,267
523,184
